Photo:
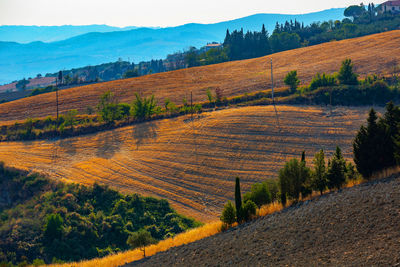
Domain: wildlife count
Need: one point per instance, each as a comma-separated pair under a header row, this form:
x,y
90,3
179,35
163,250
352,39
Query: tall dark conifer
x,y
238,200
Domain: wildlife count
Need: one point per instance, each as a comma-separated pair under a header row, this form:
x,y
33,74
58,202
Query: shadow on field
x,y
144,132
109,144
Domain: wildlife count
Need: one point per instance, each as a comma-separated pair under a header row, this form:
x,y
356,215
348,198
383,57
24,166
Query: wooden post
x,y
191,105
272,83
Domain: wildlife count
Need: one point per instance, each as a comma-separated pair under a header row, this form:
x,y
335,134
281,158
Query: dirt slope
x,y
192,164
356,227
371,54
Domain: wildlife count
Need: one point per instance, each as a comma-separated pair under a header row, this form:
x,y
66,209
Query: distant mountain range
x,y
28,34
26,60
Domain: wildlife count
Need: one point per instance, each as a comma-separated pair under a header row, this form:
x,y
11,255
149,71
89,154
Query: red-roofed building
x,y
390,6
213,45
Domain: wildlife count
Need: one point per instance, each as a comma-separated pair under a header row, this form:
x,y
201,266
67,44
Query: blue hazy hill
x,y
141,44
28,34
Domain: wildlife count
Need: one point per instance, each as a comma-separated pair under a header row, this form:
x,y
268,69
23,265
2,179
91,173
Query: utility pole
x,y
59,80
191,105
272,82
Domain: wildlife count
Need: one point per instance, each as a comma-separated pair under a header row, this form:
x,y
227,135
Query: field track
x,y
371,54
192,163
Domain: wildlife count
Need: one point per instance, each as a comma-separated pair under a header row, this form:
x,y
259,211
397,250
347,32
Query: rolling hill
x,y
28,34
192,163
371,54
142,44
357,226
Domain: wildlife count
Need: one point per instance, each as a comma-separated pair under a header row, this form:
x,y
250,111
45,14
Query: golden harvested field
x,y
371,54
192,163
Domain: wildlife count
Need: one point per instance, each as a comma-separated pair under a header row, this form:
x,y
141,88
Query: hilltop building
x,y
212,45
390,6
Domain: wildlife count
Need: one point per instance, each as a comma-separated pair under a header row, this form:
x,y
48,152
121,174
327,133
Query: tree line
x,y
239,45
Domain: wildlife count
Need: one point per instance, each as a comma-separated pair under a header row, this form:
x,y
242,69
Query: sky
x,y
150,12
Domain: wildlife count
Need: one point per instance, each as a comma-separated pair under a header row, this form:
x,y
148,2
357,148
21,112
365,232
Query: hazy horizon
x,y
154,13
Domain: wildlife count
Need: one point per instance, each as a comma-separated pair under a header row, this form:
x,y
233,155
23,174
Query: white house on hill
x,y
390,6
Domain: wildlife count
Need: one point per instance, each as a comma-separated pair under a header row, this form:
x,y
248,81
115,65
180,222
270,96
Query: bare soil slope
x,y
192,163
358,226
371,54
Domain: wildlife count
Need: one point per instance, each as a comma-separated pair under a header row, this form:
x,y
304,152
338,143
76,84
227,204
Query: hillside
x,y
142,44
356,226
371,54
192,164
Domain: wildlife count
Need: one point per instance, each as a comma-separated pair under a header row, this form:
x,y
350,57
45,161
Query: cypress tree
x,y
336,170
238,200
303,156
366,147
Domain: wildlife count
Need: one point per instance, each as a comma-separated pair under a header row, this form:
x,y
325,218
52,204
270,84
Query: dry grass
x,y
192,163
204,231
371,54
136,254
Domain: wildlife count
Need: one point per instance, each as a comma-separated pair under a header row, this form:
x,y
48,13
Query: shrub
x,y
228,214
323,80
108,108
292,80
123,110
259,194
249,210
143,108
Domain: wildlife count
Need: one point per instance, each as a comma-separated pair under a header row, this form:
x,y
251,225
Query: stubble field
x,y
371,54
192,163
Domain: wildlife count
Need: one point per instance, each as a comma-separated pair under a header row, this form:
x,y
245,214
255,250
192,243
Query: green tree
x,y
294,179
249,210
131,73
140,240
108,107
319,180
53,228
228,214
346,74
259,194
336,170
376,145
70,118
238,201
354,11
143,108
292,80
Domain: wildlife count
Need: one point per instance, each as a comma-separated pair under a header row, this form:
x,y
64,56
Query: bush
x,y
108,108
143,108
249,210
292,80
228,216
259,194
323,80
